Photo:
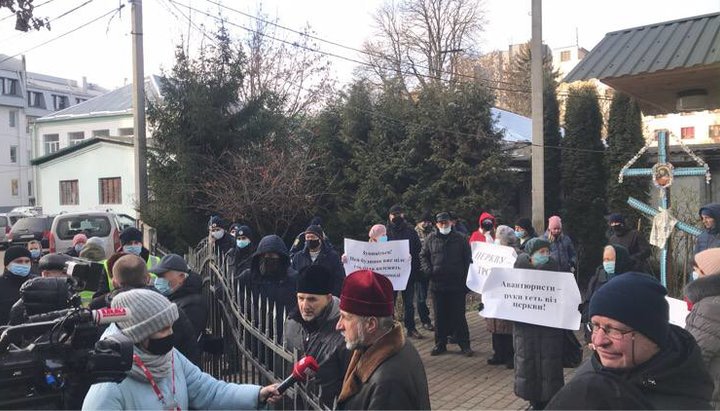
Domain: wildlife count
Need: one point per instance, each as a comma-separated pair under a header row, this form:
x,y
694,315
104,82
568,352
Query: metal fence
x,y
250,328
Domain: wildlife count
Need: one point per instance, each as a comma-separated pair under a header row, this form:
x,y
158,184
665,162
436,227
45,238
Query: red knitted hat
x,y
367,294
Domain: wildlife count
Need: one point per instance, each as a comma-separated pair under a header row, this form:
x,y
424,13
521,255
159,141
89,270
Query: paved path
x,y
457,382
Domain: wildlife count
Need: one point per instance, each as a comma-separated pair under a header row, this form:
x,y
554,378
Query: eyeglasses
x,y
612,333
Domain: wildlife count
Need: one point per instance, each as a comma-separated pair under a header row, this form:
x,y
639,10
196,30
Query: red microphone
x,y
306,367
110,315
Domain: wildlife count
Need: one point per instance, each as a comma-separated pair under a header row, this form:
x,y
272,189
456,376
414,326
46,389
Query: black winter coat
x,y
404,231
9,293
709,238
674,379
238,259
224,244
190,299
538,352
327,258
636,245
446,258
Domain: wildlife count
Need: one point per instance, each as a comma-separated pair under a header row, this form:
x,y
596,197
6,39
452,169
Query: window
x,y
565,55
714,131
69,192
13,154
79,100
14,187
95,226
687,133
101,133
76,137
129,131
13,118
9,87
51,142
110,190
60,102
36,99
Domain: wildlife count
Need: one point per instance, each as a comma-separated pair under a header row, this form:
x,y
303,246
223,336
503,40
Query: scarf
x,y
158,365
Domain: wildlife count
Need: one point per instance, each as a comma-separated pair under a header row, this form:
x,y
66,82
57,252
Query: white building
x,y
83,155
24,97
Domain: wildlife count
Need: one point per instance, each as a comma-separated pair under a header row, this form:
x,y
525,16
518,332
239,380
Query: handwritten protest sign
x,y
390,258
538,297
486,256
678,311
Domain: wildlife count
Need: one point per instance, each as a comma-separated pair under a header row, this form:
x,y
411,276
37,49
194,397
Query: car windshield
x,y
31,224
91,226
14,219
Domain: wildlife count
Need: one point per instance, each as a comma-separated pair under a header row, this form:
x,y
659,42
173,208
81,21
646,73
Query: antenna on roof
x,y
577,41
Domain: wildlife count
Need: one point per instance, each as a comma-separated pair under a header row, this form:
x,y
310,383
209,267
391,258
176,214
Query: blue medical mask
x,y
540,259
22,270
382,239
163,286
242,243
609,267
132,249
78,247
519,234
35,254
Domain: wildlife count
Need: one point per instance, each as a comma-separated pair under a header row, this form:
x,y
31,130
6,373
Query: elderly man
x,y
640,361
385,371
311,329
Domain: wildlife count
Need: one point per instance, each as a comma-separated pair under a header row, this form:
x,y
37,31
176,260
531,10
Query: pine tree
x,y
552,141
583,177
624,139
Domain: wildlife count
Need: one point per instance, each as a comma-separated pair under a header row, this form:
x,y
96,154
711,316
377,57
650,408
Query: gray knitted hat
x,y
150,312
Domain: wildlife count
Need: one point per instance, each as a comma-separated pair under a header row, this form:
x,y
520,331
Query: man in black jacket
x,y
317,252
446,256
238,258
399,229
184,288
632,240
220,239
17,271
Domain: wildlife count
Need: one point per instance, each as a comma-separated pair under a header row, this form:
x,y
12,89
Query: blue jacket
x,y
194,389
709,238
563,251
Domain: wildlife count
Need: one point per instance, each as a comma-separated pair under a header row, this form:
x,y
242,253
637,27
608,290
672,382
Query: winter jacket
x,y
194,389
405,231
224,244
320,339
389,375
637,246
446,258
189,298
538,352
674,379
105,280
238,259
563,251
709,238
71,252
9,293
477,235
623,264
703,323
327,258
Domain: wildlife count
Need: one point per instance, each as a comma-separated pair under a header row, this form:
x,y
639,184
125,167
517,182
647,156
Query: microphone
x,y
306,367
99,317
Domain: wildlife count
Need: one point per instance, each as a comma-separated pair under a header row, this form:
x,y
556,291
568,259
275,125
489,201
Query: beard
x,y
308,317
359,342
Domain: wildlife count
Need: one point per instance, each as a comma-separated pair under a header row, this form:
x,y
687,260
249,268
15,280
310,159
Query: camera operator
x,y
17,270
129,272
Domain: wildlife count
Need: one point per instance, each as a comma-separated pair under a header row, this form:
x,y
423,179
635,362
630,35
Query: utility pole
x,y
138,102
538,155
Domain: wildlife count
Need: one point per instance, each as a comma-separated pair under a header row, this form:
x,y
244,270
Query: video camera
x,y
63,360
86,273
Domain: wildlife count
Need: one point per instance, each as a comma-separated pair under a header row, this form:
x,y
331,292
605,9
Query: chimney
x,y
84,84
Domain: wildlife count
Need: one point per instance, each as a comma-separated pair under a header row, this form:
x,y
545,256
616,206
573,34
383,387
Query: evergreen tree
x,y
583,177
552,142
624,140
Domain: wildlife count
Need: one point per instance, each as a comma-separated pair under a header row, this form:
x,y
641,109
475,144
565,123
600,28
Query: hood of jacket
x,y
485,216
623,263
714,210
703,287
270,244
676,371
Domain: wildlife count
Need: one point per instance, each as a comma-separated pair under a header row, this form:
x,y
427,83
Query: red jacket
x,y
477,235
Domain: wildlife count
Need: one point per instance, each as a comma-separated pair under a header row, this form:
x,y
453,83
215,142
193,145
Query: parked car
x,y
6,222
101,224
31,228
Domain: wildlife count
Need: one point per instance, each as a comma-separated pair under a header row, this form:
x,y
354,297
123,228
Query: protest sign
x,y
678,311
538,297
390,258
486,256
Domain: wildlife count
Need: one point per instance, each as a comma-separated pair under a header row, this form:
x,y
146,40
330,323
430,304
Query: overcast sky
x,y
101,51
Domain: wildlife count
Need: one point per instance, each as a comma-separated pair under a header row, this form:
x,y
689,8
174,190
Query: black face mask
x,y
618,229
487,225
397,220
161,346
313,244
269,266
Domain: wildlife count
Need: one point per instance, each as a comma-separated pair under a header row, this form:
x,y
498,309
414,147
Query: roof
x,y
515,128
669,57
116,102
123,141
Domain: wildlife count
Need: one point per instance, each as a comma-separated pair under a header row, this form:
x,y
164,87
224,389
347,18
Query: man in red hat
x,y
385,371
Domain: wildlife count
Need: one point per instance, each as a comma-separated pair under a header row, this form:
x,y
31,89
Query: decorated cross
x,y
662,174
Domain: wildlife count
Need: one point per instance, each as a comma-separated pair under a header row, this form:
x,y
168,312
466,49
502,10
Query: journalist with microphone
x,y
161,377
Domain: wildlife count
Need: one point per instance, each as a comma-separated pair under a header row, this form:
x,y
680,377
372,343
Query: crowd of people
x,y
349,325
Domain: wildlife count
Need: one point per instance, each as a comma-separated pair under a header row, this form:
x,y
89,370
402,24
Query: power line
x,y
51,20
38,6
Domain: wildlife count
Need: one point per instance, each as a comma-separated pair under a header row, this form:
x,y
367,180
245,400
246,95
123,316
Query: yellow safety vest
x,y
152,261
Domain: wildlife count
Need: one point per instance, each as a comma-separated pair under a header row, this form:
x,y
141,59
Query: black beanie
x,y
15,252
636,300
315,229
315,279
130,234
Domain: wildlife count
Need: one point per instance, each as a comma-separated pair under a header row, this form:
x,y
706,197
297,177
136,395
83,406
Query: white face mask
x,y
218,234
445,230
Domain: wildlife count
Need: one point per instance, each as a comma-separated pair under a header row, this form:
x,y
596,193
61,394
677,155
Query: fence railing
x,y
250,327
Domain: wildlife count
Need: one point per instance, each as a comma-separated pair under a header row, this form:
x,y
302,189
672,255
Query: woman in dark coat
x,y
538,349
501,330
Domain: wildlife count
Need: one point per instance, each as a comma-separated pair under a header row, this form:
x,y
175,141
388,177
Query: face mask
x,y
161,346
269,266
382,239
78,248
21,270
445,230
695,275
163,286
540,259
519,234
313,244
618,229
242,243
218,234
487,225
609,267
34,254
132,249
397,220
